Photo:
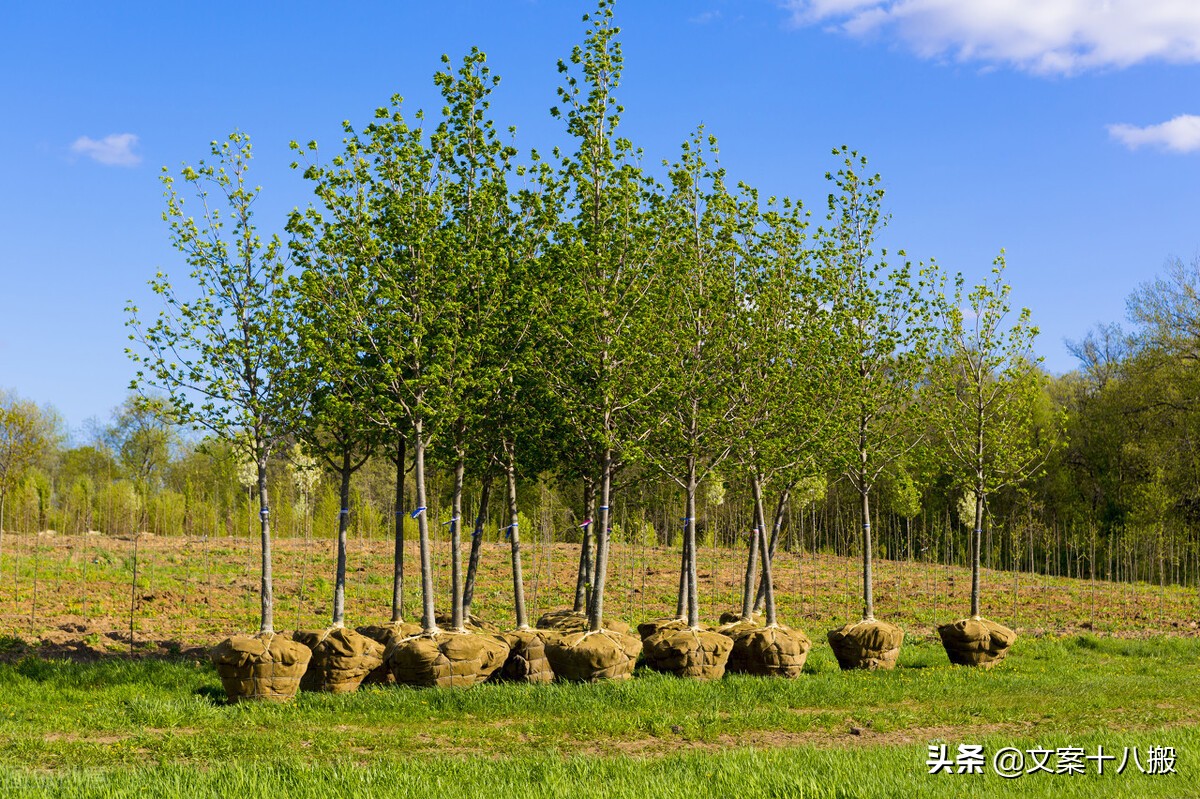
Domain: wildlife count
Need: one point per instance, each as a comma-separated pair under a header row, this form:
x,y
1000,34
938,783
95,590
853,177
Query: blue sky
x,y
1062,130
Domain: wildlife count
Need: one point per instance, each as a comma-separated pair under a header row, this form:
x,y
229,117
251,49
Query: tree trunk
x,y
976,540
689,532
428,618
339,586
681,604
485,492
767,582
398,554
868,583
596,612
583,580
510,471
776,528
456,599
751,566
266,591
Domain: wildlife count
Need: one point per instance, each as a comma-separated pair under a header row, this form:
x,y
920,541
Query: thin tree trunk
x,y
428,618
976,541
485,491
583,580
689,531
510,470
751,575
596,612
339,585
266,592
767,581
456,599
681,603
776,528
868,584
398,553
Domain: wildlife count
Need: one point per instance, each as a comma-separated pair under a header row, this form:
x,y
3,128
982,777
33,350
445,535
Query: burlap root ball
x,y
737,625
568,621
260,667
526,661
446,659
735,616
649,628
768,651
341,658
697,653
866,645
976,642
593,656
383,634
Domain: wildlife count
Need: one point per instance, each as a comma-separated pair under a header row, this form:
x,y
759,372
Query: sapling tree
x,y
887,336
789,372
701,227
223,352
381,210
601,317
986,386
338,429
477,238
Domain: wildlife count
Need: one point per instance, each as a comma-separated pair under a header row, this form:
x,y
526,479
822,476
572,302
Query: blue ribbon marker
x,y
417,512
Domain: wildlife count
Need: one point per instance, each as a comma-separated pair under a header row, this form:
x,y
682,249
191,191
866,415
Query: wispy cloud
x,y
1179,135
1052,37
115,149
705,17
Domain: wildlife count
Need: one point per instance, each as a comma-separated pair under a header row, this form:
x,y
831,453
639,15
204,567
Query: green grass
x,y
137,728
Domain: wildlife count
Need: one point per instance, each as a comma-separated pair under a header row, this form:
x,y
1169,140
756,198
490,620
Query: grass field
x,y
151,727
106,724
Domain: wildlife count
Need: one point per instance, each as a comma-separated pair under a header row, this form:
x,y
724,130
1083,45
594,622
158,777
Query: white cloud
x,y
1180,135
1060,37
705,17
115,149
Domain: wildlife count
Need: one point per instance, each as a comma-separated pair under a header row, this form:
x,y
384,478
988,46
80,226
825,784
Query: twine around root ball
x,y
593,656
696,653
262,667
654,626
341,658
976,642
445,659
776,651
868,644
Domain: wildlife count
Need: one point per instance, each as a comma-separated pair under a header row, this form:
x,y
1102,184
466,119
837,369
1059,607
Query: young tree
x,y
223,353
604,270
340,433
701,226
987,385
410,216
886,339
789,376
